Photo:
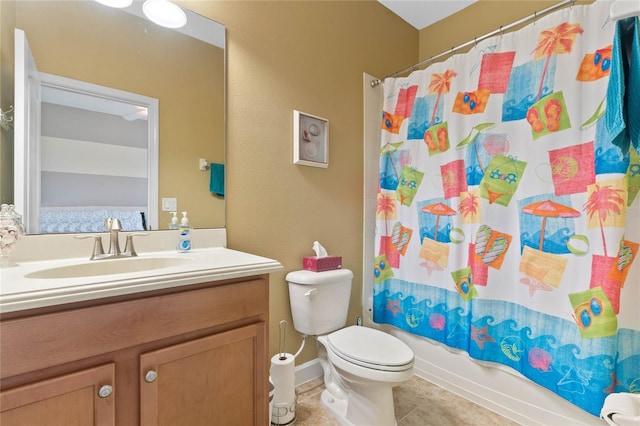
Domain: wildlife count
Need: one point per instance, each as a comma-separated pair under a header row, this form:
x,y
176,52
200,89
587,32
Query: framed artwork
x,y
310,140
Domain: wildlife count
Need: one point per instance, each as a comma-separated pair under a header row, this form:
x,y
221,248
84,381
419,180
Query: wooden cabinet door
x,y
213,380
78,399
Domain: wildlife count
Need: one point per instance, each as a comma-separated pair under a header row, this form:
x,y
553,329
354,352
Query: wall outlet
x,y
169,204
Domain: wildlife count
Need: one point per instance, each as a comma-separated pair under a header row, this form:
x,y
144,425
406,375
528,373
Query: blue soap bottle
x,y
184,235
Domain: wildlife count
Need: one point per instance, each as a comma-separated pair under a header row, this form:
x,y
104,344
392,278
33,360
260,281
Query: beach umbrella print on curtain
x,y
438,209
390,149
548,208
472,137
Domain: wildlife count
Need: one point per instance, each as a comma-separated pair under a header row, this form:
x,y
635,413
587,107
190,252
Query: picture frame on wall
x,y
310,140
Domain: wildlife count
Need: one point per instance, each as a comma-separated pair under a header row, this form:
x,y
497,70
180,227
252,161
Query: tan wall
x,y
310,56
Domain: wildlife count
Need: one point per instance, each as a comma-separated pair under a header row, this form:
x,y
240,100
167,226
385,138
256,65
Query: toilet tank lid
x,y
314,278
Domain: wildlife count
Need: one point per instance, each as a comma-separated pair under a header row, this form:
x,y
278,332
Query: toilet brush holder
x,y
282,374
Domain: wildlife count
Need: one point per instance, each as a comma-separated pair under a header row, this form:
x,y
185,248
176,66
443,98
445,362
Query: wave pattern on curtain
x,y
505,222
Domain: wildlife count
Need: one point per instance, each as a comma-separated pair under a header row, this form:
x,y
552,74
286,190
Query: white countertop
x,y
18,292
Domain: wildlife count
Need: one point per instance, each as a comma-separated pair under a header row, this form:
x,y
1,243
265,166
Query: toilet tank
x,y
319,300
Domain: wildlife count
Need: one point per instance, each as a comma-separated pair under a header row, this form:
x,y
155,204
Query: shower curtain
x,y
508,221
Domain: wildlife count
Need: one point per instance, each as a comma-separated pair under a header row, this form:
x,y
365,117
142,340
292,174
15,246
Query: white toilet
x,y
361,365
621,409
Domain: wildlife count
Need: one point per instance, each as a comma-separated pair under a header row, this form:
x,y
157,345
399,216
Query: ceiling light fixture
x,y
116,3
164,13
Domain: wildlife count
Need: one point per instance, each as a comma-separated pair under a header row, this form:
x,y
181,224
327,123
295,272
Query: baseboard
x,y
308,371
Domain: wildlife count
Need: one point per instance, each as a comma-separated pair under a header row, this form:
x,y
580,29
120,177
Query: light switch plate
x,y
169,204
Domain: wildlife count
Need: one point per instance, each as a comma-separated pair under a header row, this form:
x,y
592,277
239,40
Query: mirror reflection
x,y
99,158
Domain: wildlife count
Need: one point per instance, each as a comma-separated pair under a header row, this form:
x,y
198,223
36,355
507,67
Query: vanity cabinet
x,y
192,355
213,377
81,398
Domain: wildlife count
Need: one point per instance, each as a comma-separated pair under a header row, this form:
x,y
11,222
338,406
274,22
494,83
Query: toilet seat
x,y
371,348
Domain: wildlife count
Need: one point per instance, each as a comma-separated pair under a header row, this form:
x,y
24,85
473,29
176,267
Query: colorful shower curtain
x,y
508,222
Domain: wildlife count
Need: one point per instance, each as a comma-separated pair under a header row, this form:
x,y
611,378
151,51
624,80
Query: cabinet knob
x,y
105,391
151,376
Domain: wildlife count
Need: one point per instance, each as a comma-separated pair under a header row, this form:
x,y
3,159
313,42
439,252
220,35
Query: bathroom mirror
x,y
86,41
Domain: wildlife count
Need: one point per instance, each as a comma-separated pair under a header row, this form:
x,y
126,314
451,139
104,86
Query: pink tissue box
x,y
319,264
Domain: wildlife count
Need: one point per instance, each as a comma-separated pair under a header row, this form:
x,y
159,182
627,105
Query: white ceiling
x,y
422,13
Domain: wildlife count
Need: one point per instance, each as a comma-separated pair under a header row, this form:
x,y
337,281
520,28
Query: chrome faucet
x,y
113,226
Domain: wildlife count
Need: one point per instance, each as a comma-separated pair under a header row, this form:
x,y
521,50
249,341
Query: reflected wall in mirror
x,y
86,41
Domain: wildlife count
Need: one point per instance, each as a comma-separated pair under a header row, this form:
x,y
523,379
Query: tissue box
x,y
319,264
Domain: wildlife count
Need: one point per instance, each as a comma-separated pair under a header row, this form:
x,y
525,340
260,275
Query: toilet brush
x,y
283,376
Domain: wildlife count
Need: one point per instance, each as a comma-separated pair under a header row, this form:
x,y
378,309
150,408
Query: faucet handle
x,y
129,250
98,251
113,224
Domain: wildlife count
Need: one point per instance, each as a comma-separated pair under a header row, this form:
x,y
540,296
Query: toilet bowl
x,y
361,365
368,363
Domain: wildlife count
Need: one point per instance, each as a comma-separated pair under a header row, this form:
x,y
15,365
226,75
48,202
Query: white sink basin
x,y
50,282
108,267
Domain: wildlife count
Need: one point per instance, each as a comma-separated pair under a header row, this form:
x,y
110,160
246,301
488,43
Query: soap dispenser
x,y
184,236
174,221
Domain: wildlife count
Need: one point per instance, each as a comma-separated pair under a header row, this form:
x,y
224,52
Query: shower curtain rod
x,y
500,30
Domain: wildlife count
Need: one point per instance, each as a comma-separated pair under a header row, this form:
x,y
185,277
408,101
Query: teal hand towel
x,y
216,185
621,117
633,101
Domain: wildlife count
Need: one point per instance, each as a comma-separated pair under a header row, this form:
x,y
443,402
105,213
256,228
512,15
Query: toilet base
x,y
338,408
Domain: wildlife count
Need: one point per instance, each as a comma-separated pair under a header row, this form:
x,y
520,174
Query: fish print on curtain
x,y
507,223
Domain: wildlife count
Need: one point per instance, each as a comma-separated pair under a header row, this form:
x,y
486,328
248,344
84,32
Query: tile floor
x,y
417,403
